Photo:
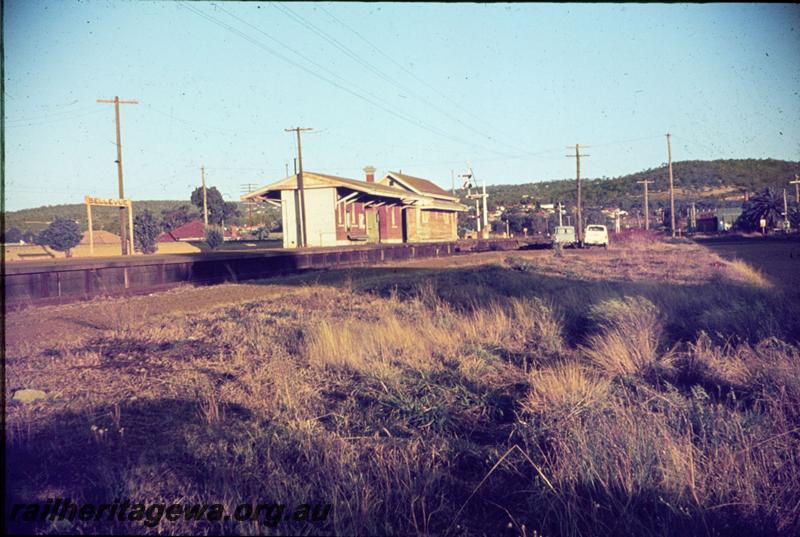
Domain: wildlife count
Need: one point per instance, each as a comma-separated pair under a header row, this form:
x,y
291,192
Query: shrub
x,y
262,233
629,337
62,235
214,237
145,232
12,235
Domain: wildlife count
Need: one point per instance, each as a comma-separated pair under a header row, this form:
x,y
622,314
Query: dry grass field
x,y
651,389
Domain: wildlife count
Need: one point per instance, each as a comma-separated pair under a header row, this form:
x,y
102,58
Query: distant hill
x,y
105,218
712,183
716,183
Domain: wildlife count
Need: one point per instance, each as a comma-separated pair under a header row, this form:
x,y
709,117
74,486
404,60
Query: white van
x,y
596,235
564,235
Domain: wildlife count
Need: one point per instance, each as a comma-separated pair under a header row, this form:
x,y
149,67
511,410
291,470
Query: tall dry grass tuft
x,y
740,272
629,336
565,390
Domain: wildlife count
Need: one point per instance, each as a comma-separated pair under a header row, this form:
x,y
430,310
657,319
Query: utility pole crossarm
x,y
796,184
126,248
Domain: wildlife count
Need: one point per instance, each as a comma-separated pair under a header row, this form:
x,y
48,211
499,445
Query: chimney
x,y
370,173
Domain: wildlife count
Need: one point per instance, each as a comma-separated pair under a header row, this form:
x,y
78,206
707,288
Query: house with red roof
x,y
190,231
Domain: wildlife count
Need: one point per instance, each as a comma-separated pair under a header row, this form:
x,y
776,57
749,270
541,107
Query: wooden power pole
x,y
645,182
123,235
671,189
785,211
303,241
578,217
796,184
205,197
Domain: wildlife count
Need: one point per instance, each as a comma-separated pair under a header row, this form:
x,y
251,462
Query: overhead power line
x,y
49,115
375,100
406,70
48,122
388,78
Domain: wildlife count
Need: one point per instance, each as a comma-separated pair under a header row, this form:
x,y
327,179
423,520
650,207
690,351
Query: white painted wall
x,y
289,215
321,216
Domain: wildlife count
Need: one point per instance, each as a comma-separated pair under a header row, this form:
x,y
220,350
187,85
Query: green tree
x,y
175,218
145,231
219,210
62,235
767,204
12,235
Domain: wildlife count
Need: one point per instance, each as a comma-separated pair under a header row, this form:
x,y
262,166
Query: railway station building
x,y
340,211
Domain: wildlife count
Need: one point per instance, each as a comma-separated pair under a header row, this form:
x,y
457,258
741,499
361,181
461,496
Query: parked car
x,y
564,235
596,235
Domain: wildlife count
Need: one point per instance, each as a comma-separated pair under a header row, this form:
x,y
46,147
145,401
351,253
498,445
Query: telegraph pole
x,y
205,198
671,189
579,224
123,235
302,212
796,184
785,211
485,206
247,188
645,182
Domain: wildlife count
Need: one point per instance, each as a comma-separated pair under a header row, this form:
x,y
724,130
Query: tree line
x,y
61,227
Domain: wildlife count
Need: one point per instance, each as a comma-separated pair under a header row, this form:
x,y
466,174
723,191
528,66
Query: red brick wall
x,y
391,222
341,230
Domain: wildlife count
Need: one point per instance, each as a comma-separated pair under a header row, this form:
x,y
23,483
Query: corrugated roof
x,y
444,206
290,182
426,190
189,230
423,186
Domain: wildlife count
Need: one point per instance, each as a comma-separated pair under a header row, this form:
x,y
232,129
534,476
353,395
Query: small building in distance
x,y
726,217
341,211
707,223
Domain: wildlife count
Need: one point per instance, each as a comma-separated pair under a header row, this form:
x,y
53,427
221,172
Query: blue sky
x,y
422,88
